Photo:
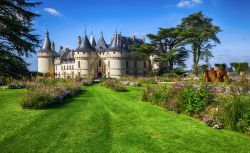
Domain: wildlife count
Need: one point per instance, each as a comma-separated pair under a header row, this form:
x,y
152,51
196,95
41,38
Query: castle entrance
x,y
99,75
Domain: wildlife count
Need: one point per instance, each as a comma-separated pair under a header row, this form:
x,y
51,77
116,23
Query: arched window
x,y
100,63
79,64
108,64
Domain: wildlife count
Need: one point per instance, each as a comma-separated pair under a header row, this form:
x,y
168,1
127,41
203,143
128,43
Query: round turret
x,y
46,57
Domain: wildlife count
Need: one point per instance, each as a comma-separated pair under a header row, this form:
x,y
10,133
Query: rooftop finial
x,y
101,33
85,30
47,32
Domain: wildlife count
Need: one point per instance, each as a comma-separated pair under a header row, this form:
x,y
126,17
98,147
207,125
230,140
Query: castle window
x,y
79,64
145,64
56,68
79,74
100,63
126,64
73,67
64,67
114,52
108,64
67,67
77,52
135,64
61,67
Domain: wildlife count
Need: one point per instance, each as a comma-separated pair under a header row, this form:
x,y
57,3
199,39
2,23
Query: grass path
x,y
100,120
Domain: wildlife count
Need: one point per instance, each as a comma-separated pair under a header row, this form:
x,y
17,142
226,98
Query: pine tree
x,y
16,36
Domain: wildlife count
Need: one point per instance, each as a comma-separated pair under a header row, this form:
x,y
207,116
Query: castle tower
x,y
116,58
85,58
46,57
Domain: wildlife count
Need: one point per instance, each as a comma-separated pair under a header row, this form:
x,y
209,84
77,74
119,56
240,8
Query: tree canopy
x,y
200,32
16,36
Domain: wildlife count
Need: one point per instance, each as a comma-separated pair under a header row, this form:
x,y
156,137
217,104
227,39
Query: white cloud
x,y
188,3
197,1
52,11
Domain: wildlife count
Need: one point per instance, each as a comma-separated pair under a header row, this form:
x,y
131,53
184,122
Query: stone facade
x,y
95,59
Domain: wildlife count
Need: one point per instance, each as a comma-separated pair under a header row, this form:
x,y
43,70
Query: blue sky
x,y
65,20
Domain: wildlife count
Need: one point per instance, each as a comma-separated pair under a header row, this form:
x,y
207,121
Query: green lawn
x,y
100,120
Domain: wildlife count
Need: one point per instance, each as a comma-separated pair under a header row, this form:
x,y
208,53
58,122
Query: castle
x,y
93,59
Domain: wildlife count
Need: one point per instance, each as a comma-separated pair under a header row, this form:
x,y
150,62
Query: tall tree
x,y
169,42
200,33
143,50
16,36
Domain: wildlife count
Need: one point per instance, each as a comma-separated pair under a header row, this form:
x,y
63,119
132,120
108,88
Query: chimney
x,y
79,41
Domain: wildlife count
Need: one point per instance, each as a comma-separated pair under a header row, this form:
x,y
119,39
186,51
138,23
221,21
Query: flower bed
x,y
217,105
41,94
114,85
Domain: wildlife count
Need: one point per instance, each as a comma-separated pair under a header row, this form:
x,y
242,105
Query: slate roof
x,y
63,53
101,45
46,44
85,45
121,43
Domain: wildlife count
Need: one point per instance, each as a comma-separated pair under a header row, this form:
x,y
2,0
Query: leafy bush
x,y
87,81
221,66
195,99
114,85
46,93
240,67
155,94
235,113
180,97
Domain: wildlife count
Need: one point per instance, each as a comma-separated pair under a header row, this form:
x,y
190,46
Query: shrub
x,y
162,95
194,99
240,67
87,81
114,85
235,113
180,97
46,93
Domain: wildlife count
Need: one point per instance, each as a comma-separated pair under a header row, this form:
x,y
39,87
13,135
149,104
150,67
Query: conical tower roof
x,y
116,43
101,45
92,41
46,44
85,45
53,49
